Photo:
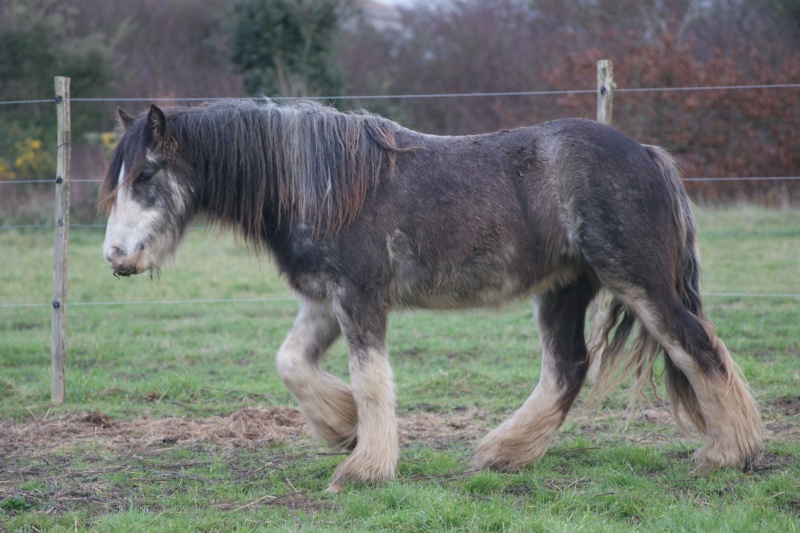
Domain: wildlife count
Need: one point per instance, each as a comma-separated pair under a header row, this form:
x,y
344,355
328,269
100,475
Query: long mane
x,y
310,163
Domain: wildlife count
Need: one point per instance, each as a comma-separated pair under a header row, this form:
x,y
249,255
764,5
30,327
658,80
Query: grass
x,y
461,373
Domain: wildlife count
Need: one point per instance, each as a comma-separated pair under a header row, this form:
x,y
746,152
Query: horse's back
x,y
469,221
477,220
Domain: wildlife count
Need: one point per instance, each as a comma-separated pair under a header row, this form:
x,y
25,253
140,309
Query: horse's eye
x,y
144,177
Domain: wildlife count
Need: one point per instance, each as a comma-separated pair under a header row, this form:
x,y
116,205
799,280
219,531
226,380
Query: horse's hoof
x,y
335,487
481,462
494,452
361,467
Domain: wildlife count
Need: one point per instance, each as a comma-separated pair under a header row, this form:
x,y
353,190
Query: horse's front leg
x,y
326,402
363,320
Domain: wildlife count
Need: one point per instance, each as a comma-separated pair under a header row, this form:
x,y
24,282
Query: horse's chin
x,y
142,265
124,271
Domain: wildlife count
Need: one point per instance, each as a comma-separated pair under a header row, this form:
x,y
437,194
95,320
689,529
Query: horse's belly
x,y
454,289
464,286
473,274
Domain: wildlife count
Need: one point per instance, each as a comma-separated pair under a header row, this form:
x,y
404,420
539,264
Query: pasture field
x,y
176,420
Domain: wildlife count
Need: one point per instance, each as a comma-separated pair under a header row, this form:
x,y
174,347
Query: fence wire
x,y
772,295
430,95
786,233
732,178
51,181
158,302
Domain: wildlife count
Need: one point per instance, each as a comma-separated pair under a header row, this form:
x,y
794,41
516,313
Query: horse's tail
x,y
620,323
687,273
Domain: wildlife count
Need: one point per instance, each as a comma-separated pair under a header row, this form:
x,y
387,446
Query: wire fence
x,y
787,233
733,178
274,299
158,302
430,95
734,233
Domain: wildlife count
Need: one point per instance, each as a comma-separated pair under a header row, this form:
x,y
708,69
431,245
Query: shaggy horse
x,y
364,216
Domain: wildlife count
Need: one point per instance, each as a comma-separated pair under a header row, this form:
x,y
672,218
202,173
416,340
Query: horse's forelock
x,y
130,153
110,183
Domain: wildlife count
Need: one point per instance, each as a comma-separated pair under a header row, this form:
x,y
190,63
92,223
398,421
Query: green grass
x,y
607,470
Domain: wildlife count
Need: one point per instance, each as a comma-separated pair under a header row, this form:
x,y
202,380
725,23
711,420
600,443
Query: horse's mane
x,y
312,163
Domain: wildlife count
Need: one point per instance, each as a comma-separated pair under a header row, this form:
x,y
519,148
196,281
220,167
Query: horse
x,y
363,216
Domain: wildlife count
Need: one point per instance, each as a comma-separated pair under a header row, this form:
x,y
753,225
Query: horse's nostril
x,y
116,251
139,247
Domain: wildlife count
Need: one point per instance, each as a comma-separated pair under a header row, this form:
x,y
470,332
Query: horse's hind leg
x,y
703,380
326,402
524,437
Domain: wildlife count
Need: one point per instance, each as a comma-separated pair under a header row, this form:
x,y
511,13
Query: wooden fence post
x,y
605,90
597,309
58,343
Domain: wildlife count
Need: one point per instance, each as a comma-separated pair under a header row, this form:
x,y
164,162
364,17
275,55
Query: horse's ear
x,y
123,119
156,128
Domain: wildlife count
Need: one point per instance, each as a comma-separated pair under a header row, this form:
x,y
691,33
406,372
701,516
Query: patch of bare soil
x,y
254,428
787,405
73,455
244,428
441,430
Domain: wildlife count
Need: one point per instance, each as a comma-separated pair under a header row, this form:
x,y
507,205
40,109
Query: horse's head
x,y
146,193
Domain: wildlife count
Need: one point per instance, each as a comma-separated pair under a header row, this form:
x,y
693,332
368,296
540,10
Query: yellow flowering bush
x,y
32,162
6,171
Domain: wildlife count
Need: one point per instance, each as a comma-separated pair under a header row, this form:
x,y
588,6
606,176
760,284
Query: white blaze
x,y
129,227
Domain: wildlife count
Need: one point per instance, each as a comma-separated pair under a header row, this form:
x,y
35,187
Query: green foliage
x,y
285,47
787,10
15,503
39,40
